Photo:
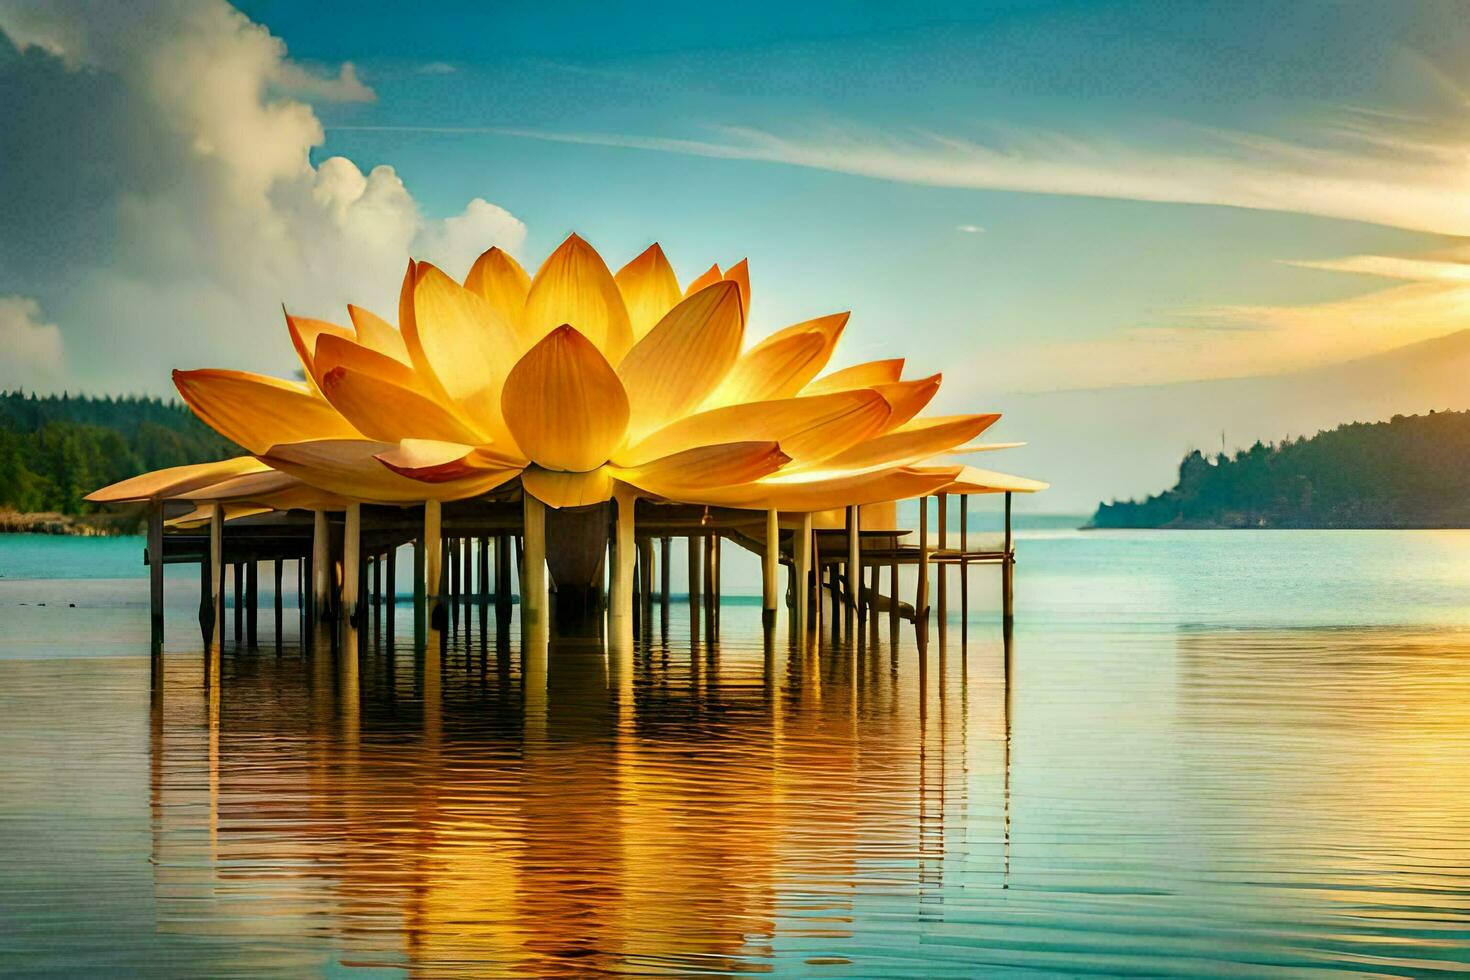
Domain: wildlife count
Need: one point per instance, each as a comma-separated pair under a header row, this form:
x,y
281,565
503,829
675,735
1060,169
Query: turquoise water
x,y
1203,753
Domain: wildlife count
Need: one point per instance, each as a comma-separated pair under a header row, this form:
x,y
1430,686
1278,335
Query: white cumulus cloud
x,y
33,350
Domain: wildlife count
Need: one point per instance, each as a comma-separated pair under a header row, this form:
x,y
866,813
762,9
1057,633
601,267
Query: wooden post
x,y
696,586
943,569
711,585
483,591
964,568
155,572
351,564
390,587
433,549
620,606
276,603
206,602
502,581
237,575
645,582
451,579
854,566
420,590
533,564
770,564
665,563
217,574
893,596
801,560
321,564
921,593
1007,583
466,583
252,603
874,582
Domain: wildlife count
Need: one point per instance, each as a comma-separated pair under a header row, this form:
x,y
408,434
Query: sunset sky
x,y
1027,195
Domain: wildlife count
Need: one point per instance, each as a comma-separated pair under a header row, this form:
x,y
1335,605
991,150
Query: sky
x,y
1028,196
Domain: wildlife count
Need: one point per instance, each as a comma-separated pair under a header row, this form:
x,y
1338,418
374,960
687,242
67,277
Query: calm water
x,y
1240,753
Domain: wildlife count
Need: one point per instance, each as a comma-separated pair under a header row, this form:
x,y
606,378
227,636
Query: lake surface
x,y
1241,753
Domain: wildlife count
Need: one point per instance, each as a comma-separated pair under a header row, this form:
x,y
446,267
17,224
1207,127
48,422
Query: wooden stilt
x,y
155,573
921,592
770,565
433,554
466,583
943,571
252,603
206,602
502,581
483,590
893,596
451,579
352,566
696,582
217,575
533,567
646,561
277,606
620,607
964,569
801,561
390,590
420,590
874,583
854,569
1007,582
237,575
321,563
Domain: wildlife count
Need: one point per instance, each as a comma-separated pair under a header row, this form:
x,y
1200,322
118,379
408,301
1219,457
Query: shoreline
x,y
68,525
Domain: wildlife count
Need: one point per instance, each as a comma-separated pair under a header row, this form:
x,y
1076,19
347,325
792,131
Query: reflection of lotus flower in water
x,y
577,380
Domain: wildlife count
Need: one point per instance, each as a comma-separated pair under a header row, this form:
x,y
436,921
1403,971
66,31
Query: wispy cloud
x,y
969,229
1359,165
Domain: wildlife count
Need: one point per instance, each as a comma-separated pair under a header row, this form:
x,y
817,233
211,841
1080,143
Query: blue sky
x,y
1026,195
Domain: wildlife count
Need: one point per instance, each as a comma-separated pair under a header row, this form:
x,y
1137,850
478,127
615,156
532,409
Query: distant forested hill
x,y
1412,471
55,449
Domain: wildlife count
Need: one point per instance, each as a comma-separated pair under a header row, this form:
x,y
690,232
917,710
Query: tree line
x,y
55,449
1411,471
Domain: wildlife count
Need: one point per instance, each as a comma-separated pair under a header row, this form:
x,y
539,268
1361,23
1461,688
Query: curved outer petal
x,y
807,428
708,277
435,461
574,287
858,376
348,467
377,334
673,369
973,480
649,290
500,281
305,332
908,398
739,273
249,486
557,489
203,513
564,404
256,411
918,440
382,410
783,363
726,465
460,343
841,490
982,447
175,480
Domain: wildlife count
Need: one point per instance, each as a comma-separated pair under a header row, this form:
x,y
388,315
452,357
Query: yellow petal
x,y
983,447
500,281
709,277
807,428
739,273
973,480
908,398
348,467
574,287
649,290
460,343
382,410
304,333
435,461
564,404
257,412
204,513
778,493
378,334
249,486
334,352
858,376
558,489
175,480
783,363
725,465
673,369
918,440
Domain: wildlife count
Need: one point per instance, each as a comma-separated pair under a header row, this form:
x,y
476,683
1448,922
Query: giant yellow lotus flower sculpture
x,y
579,381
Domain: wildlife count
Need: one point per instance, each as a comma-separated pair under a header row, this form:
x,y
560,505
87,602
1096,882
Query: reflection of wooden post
x,y
217,574
351,563
321,564
533,564
155,572
921,593
801,560
770,562
1007,583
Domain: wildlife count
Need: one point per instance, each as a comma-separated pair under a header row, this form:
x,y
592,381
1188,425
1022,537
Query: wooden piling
x,y
252,603
854,570
433,556
770,565
237,574
620,606
390,587
155,573
1007,582
217,575
943,571
964,569
352,565
321,565
801,560
502,581
646,562
533,566
276,606
921,591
